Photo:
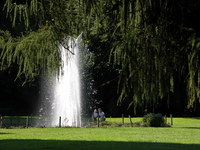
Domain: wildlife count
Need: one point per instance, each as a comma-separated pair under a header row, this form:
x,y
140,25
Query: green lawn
x,y
184,135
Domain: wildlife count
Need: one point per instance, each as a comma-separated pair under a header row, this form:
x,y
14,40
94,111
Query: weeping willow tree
x,y
154,46
149,43
46,24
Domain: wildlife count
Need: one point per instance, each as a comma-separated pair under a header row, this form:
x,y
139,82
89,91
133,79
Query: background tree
x,y
149,47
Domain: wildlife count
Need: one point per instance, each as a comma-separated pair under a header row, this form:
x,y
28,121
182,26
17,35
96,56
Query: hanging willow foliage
x,y
24,10
39,50
145,73
36,51
193,82
149,45
150,53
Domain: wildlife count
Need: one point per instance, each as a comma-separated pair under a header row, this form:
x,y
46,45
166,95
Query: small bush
x,y
154,120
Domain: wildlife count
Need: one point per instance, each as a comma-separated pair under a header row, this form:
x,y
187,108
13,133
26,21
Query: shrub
x,y
153,120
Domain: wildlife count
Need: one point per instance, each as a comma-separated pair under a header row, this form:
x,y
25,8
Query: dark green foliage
x,y
153,120
147,42
152,41
19,121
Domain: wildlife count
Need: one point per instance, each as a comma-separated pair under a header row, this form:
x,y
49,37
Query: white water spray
x,y
67,101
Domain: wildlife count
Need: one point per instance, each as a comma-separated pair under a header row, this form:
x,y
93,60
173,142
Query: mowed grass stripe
x,y
185,134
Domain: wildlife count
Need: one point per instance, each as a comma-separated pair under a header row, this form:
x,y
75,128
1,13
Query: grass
x,y
183,135
19,120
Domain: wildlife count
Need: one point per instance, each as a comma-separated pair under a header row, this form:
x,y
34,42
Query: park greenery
x,y
183,135
149,120
154,120
149,45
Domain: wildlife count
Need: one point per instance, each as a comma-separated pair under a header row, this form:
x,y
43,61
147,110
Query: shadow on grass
x,y
195,117
188,127
5,133
87,145
192,118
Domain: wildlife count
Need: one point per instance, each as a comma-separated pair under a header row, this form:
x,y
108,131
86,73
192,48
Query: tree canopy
x,y
149,43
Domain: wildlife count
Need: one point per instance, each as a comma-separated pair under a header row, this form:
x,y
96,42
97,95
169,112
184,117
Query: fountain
x,y
67,95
